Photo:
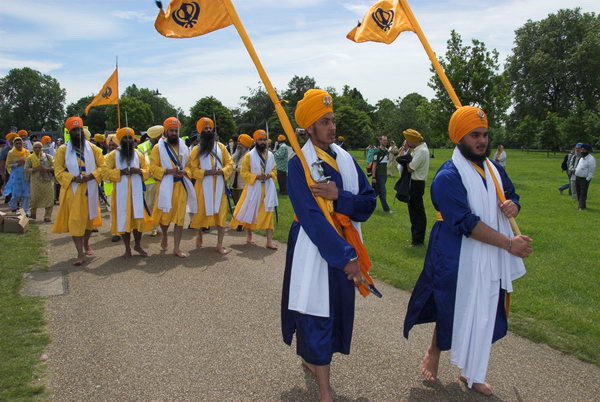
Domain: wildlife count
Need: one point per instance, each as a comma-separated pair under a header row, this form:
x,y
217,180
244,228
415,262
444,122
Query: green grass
x,y
22,333
557,302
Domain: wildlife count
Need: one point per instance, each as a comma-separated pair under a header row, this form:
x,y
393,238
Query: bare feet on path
x,y
199,242
89,251
484,389
271,246
79,261
180,253
308,366
429,365
141,251
164,243
127,254
223,250
250,241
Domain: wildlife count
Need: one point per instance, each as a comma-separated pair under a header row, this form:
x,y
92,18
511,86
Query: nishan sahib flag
x,y
109,94
382,23
189,18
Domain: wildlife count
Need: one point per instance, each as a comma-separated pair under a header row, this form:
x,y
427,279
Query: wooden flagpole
x,y
118,100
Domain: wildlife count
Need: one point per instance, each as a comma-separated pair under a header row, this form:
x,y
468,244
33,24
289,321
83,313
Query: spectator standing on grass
x,y
572,167
586,167
379,172
565,168
500,156
419,169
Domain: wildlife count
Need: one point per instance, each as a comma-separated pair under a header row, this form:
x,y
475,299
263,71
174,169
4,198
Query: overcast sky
x,y
76,42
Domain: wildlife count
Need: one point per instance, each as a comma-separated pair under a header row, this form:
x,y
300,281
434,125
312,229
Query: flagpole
x,y
436,64
283,117
118,101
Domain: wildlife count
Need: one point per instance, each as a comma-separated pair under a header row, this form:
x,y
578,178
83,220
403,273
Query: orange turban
x,y
203,122
464,120
73,122
11,136
340,138
245,140
22,133
259,134
412,135
99,138
112,138
46,139
123,131
171,122
315,104
281,138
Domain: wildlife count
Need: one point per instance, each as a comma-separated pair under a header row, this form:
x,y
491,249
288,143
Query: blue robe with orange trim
x,y
434,295
317,338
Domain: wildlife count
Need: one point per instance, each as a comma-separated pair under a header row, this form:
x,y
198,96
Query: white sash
x,y
212,197
71,161
249,210
137,191
482,269
166,184
309,281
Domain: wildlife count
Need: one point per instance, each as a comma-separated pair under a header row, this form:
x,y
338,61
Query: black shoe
x,y
94,230
115,238
206,230
416,243
240,228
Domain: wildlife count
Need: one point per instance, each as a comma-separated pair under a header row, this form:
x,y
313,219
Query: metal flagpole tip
x,y
158,4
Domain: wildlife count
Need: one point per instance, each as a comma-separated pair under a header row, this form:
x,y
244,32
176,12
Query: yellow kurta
x,y
200,220
264,220
73,216
179,198
112,174
13,157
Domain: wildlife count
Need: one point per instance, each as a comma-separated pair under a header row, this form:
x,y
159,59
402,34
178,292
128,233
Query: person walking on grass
x,y
379,172
586,168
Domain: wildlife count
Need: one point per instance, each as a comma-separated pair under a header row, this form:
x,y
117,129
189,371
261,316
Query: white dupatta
x,y
213,191
309,281
249,210
137,191
482,270
166,184
71,161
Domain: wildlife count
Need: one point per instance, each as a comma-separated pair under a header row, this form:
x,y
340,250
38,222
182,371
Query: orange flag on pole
x,y
189,18
109,94
382,23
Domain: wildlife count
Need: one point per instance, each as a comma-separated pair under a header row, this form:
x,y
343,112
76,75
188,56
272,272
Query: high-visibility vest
x,y
145,148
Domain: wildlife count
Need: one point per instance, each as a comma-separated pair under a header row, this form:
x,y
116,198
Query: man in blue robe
x,y
464,294
321,266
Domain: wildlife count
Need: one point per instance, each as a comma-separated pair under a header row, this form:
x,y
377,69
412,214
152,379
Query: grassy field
x,y
557,302
22,333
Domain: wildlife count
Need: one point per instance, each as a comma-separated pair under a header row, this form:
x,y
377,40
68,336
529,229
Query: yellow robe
x,y
13,156
73,216
179,198
264,220
112,174
200,220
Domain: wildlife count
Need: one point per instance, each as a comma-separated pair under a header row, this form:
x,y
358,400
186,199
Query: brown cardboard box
x,y
13,223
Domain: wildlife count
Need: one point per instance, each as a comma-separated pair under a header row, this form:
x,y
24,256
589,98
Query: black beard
x,y
207,143
127,151
76,141
584,154
173,140
261,147
468,154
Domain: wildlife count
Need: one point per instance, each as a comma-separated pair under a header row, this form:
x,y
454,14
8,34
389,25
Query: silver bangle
x,y
353,259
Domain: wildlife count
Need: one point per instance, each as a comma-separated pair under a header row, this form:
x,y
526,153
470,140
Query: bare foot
x,y
429,365
484,389
272,246
127,254
250,241
164,243
89,251
199,242
180,253
79,261
141,251
223,250
309,367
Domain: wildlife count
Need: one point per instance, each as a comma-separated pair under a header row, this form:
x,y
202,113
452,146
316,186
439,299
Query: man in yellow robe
x,y
154,134
258,201
175,194
78,168
127,168
211,165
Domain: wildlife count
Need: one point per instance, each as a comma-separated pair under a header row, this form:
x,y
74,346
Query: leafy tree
x,y
296,89
355,125
30,100
256,109
139,115
386,118
354,98
208,107
474,71
96,117
160,106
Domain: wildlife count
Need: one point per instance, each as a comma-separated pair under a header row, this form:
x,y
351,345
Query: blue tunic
x,y
433,297
317,338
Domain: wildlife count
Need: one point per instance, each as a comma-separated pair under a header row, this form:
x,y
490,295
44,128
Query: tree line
x,y
547,95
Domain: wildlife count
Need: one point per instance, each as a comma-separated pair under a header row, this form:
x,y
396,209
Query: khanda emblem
x,y
383,19
107,93
187,15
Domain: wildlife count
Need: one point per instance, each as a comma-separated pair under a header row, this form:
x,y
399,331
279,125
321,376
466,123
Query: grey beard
x,y
239,153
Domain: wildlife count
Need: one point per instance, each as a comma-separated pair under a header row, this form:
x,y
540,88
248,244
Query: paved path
x,y
207,328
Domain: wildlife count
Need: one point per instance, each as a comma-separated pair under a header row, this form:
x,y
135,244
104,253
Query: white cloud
x,y
9,63
133,15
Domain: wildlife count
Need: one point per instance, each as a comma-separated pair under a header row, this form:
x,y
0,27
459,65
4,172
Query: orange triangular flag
x,y
189,18
109,94
383,23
